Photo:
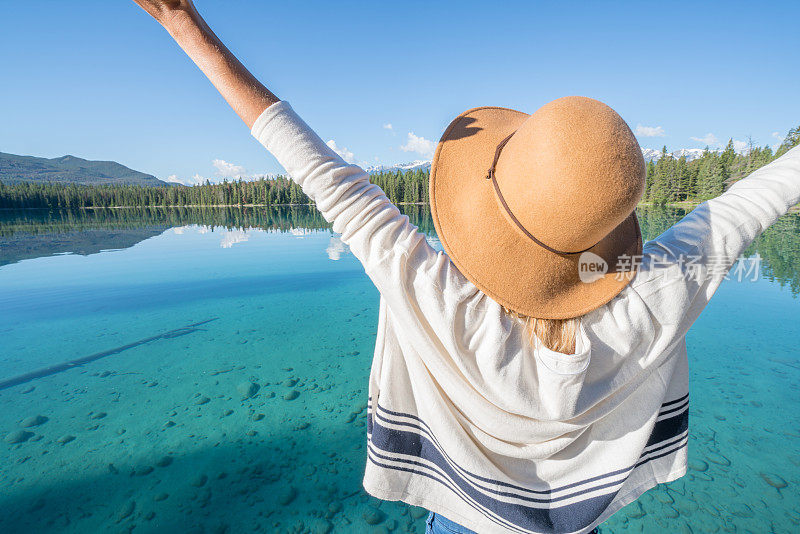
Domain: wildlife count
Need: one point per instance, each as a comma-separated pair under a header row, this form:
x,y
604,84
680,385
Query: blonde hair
x,y
556,334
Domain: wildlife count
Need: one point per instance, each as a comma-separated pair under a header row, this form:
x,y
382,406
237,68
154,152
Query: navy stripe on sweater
x,y
415,449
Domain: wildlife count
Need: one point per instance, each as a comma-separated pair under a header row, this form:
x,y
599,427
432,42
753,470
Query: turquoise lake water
x,y
228,387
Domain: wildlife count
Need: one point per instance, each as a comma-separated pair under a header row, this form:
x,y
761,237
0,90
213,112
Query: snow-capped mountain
x,y
411,166
650,154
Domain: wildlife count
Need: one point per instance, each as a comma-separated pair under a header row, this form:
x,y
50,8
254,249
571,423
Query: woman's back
x,y
461,404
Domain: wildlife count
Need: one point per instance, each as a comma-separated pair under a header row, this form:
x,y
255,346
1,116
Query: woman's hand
x,y
165,11
246,95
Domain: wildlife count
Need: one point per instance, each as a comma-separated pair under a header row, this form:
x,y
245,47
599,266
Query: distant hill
x,y
70,169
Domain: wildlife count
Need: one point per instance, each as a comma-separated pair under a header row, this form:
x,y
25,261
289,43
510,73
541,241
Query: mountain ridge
x,y
69,169
72,169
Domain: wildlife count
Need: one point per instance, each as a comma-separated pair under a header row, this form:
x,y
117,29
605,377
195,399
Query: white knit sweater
x,y
465,417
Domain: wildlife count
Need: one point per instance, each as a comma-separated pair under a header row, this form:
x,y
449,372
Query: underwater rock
x,y
664,498
247,389
287,495
258,417
717,459
417,512
200,480
204,498
373,516
226,413
161,497
686,506
18,436
635,511
112,469
34,420
334,507
698,465
291,395
27,389
126,510
165,461
703,476
202,400
98,415
290,382
774,480
741,510
65,439
670,512
143,470
38,505
319,526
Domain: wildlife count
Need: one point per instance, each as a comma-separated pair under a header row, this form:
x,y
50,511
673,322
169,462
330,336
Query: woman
x,y
534,378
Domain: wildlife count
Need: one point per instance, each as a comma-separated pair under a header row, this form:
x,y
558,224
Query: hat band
x,y
490,176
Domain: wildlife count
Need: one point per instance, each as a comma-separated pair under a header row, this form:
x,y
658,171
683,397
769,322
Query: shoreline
x,y
684,205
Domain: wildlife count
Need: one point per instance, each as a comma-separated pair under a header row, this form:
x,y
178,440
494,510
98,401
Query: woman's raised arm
x,y
246,95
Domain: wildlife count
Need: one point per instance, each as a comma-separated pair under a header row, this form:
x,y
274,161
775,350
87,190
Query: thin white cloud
x,y
740,146
418,144
709,139
345,154
194,180
180,230
232,237
388,126
226,169
434,242
649,131
336,249
223,170
300,232
779,138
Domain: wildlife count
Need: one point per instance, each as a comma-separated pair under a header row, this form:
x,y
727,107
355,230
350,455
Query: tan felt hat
x,y
538,210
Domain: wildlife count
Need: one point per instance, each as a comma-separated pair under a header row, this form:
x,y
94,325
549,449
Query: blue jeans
x,y
439,524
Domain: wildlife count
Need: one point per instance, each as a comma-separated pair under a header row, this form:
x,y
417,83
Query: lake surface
x,y
226,356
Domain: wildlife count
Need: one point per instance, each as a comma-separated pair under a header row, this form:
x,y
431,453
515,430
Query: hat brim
x,y
492,252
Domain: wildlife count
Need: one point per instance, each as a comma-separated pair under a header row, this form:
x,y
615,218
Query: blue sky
x,y
101,80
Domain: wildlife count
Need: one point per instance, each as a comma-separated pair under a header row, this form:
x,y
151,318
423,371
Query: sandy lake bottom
x,y
233,397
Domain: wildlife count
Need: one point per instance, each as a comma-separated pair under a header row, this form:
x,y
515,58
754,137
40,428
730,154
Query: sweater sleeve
x,y
378,234
684,266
